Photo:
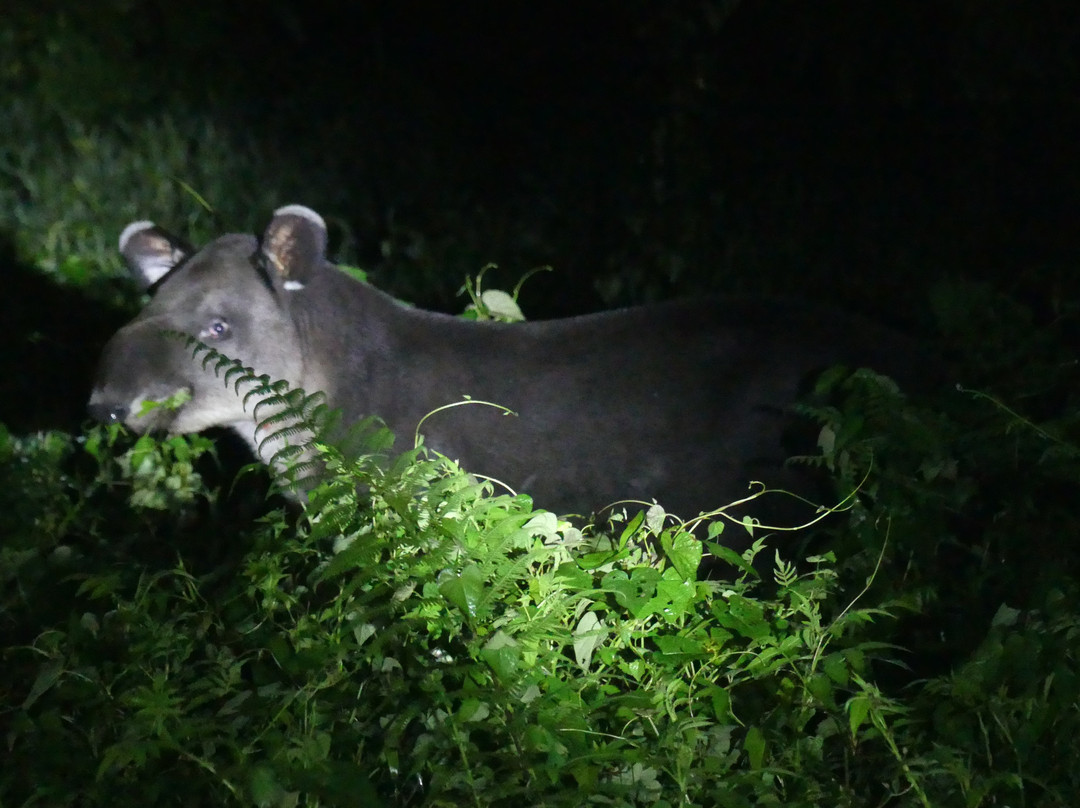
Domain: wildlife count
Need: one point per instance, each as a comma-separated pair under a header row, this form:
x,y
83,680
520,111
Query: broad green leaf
x,y
502,653
631,528
573,577
502,306
743,616
264,786
543,524
856,659
678,645
357,554
858,708
821,687
473,710
465,590
654,518
633,592
721,703
835,667
672,598
735,559
684,552
755,747
1006,616
827,440
588,636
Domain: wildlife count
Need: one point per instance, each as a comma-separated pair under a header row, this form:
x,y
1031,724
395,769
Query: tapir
x,y
683,403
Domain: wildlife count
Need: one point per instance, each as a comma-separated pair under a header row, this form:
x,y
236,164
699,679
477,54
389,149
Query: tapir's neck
x,y
373,355
347,335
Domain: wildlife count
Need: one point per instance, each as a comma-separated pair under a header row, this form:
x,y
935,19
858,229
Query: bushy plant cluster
x,y
412,639
441,646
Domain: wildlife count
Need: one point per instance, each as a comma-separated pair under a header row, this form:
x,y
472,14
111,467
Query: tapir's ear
x,y
294,246
151,252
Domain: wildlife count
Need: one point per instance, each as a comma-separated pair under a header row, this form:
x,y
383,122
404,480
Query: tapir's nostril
x,y
105,412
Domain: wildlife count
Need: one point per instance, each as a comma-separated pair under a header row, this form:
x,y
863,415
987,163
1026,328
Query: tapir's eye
x,y
216,329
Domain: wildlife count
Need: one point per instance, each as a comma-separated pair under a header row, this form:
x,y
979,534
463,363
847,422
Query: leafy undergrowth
x,y
411,639
68,188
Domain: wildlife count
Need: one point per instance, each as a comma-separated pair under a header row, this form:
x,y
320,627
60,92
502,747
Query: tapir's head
x,y
235,294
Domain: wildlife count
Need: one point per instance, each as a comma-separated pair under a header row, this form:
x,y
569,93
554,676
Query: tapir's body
x,y
684,402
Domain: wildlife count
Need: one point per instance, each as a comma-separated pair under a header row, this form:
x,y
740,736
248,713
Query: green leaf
x,y
654,518
1006,617
743,616
685,648
821,688
730,556
835,667
354,272
634,591
588,636
755,747
827,440
264,787
46,678
357,555
8,446
673,597
856,659
503,654
635,668
631,528
721,703
473,710
501,306
465,590
684,552
572,576
858,708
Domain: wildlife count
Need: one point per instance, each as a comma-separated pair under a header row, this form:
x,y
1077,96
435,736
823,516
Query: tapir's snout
x,y
118,382
154,408
136,367
106,412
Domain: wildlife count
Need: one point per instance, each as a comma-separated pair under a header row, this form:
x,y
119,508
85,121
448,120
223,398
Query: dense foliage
x,y
412,639
409,636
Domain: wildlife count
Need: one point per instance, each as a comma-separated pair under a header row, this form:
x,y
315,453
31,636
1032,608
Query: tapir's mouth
x,y
144,413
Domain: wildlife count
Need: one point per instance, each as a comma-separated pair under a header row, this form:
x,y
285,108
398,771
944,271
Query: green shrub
x,y
430,644
411,639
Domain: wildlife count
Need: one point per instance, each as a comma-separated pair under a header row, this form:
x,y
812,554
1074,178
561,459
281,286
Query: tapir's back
x,y
683,402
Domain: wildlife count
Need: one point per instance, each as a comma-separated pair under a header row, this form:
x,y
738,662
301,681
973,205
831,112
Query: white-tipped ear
x,y
302,211
131,229
150,252
294,246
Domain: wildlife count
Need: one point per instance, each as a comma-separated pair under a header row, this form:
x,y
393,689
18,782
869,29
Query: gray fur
x,y
684,402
